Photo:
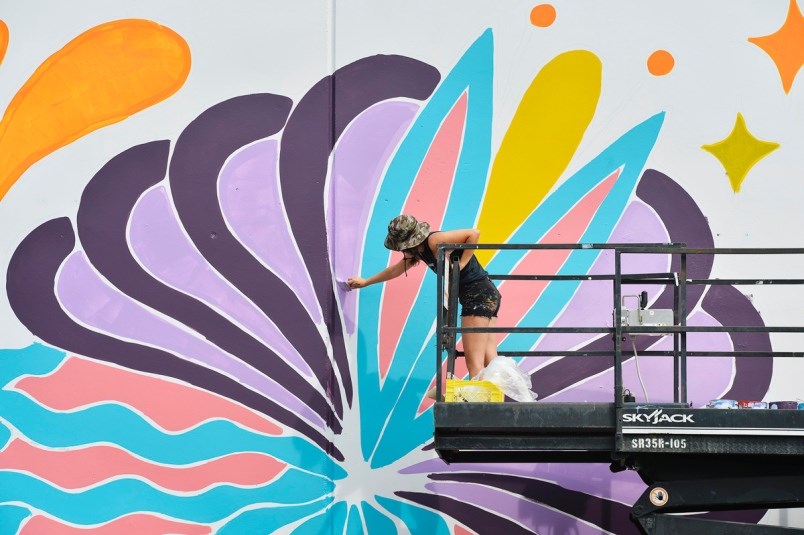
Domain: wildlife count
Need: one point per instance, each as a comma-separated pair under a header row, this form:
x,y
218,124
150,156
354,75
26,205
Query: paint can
x,y
784,405
722,404
747,404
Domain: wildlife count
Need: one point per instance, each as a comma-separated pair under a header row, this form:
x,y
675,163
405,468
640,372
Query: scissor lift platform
x,y
546,432
692,459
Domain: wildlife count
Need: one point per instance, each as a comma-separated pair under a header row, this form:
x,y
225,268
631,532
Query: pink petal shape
x,y
87,466
519,298
427,202
135,524
171,405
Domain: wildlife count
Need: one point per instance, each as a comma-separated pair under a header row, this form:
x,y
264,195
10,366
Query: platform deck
x,y
572,432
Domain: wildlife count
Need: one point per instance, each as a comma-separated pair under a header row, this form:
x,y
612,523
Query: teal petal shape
x,y
629,152
473,75
332,520
417,519
35,359
405,429
269,519
110,423
12,517
126,496
377,522
5,434
354,524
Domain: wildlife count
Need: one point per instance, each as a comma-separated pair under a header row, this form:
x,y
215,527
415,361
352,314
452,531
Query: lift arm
x,y
732,493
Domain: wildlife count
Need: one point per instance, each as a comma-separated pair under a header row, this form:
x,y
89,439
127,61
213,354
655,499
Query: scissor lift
x,y
692,459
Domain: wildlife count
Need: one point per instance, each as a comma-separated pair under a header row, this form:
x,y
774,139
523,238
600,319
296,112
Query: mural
x,y
197,367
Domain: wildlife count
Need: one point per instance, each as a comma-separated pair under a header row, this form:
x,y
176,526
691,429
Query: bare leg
x,y
491,344
474,344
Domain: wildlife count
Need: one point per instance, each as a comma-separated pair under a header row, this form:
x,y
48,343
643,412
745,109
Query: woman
x,y
479,298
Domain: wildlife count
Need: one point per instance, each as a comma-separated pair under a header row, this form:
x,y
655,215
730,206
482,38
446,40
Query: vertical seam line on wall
x,y
331,260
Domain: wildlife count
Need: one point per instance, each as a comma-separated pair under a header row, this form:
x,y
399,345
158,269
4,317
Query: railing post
x,y
618,352
676,335
439,318
452,315
683,323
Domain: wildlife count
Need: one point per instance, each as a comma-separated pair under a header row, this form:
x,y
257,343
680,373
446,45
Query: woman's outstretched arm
x,y
391,272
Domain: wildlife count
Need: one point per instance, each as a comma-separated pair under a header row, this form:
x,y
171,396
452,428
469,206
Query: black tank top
x,y
471,272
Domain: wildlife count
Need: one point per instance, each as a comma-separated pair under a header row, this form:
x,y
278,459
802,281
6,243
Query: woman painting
x,y
479,297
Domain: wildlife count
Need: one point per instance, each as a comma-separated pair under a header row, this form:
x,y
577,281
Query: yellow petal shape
x,y
3,40
101,77
541,139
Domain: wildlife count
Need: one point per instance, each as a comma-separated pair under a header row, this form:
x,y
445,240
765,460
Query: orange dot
x,y
543,15
661,62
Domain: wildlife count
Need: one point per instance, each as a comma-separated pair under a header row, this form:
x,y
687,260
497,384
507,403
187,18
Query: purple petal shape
x,y
358,163
313,130
532,504
707,377
685,224
592,306
476,518
307,141
594,479
752,375
30,278
89,299
201,151
103,217
159,243
252,204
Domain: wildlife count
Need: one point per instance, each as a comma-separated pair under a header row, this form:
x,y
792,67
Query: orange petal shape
x,y
3,40
99,78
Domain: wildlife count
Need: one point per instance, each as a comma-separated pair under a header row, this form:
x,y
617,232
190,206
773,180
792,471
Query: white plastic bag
x,y
503,372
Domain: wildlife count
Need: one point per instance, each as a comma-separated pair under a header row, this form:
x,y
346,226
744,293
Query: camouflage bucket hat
x,y
405,232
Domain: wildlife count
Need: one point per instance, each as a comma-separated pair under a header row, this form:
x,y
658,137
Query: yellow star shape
x,y
786,46
739,152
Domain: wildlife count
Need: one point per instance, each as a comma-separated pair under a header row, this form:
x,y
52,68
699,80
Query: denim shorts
x,y
480,298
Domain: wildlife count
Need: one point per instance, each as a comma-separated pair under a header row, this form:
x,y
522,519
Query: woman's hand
x,y
356,282
391,272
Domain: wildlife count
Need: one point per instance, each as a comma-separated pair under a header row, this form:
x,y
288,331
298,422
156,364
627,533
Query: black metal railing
x,y
448,331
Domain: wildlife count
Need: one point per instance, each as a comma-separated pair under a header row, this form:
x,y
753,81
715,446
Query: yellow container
x,y
473,391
